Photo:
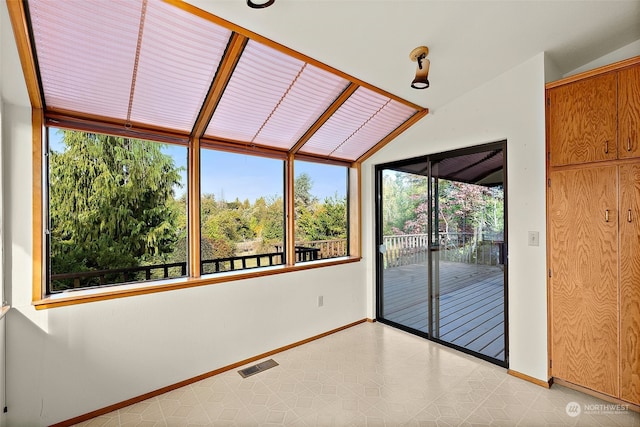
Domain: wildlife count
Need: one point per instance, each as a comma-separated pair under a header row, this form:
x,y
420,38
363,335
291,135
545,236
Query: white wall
x,y
2,298
68,361
510,107
627,51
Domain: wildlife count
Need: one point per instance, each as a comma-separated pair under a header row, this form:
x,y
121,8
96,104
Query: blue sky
x,y
248,177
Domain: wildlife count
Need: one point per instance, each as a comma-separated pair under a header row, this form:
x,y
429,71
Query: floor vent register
x,y
256,369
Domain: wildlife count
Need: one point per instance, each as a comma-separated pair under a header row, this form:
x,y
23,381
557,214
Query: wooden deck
x,y
470,304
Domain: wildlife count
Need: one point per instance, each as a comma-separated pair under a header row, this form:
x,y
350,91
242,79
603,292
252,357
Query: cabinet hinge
x,y
548,101
549,272
549,182
550,363
548,155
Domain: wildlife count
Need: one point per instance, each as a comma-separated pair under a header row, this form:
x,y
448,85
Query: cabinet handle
x,y
629,144
629,216
606,215
606,147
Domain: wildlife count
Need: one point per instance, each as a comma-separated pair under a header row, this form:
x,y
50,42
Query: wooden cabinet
x,y
630,282
593,224
595,119
583,233
582,121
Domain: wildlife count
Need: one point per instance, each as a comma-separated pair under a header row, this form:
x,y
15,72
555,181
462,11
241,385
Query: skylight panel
x,y
358,125
179,56
86,54
260,79
311,94
272,98
153,64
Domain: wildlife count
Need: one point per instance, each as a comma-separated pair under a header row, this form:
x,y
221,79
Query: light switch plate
x,y
534,238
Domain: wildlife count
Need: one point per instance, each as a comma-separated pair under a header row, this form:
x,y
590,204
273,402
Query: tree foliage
x,y
112,205
317,220
403,196
462,207
111,202
226,225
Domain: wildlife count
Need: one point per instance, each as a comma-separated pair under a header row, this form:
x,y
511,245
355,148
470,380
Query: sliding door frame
x,y
428,159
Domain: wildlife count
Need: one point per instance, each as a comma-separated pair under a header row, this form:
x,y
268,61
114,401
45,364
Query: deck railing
x,y
328,248
305,251
407,249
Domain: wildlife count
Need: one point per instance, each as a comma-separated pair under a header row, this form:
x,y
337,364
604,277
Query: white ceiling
x,y
470,42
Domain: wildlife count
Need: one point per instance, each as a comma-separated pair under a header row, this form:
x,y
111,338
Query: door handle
x,y
629,216
606,215
606,147
629,143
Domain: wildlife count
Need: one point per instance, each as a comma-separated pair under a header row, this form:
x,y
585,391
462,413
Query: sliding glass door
x,y
442,248
403,249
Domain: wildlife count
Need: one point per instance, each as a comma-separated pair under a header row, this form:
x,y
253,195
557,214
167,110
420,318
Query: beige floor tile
x,y
368,375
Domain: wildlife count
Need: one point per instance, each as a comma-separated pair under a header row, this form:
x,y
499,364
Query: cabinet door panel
x,y
583,121
583,233
630,283
629,112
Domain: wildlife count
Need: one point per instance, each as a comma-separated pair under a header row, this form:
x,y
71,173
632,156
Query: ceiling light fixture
x,y
260,4
419,54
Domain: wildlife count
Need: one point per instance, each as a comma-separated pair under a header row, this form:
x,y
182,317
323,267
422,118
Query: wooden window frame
x,y
42,300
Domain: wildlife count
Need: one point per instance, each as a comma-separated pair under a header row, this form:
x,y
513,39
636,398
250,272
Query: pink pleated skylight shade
x,y
272,98
310,96
86,54
122,61
260,79
358,125
179,56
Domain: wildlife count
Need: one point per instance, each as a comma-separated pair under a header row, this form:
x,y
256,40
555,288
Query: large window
x,y
121,211
321,229
241,211
300,109
117,210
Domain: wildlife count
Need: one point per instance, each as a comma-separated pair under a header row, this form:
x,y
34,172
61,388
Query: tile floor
x,y
370,375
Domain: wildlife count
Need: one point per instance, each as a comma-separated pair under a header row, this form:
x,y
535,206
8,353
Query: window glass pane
x,y
321,211
117,210
242,211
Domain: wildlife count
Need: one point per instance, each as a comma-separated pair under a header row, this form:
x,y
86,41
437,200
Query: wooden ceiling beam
x,y
324,117
228,63
90,123
18,17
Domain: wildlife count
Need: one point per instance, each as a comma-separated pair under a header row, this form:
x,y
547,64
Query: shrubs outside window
x,y
241,211
321,212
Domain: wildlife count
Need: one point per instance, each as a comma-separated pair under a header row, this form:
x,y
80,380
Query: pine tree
x,y
111,202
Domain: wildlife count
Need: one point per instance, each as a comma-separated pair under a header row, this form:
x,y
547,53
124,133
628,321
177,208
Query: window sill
x,y
121,291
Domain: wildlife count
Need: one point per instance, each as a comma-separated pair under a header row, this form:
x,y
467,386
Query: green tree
x,y
110,202
317,220
272,224
302,191
327,220
404,203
